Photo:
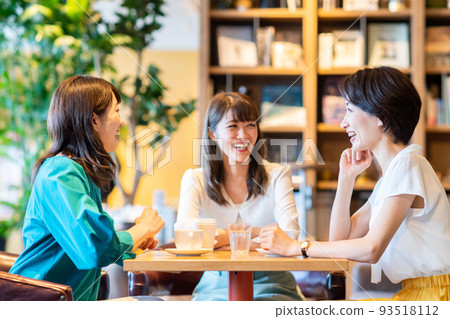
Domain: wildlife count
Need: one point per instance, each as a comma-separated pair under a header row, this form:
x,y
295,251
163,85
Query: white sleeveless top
x,y
421,245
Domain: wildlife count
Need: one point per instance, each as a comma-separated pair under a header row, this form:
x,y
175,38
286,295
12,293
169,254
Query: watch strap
x,y
305,248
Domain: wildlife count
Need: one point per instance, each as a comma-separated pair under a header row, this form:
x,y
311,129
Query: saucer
x,y
268,253
188,252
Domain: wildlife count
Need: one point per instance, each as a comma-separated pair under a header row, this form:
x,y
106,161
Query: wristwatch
x,y
304,246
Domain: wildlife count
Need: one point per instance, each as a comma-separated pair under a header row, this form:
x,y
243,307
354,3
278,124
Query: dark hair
x,y
243,109
389,95
69,124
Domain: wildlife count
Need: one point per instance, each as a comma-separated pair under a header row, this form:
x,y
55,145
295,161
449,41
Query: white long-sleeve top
x,y
276,205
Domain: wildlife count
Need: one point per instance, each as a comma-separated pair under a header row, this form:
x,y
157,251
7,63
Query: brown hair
x,y
69,124
243,109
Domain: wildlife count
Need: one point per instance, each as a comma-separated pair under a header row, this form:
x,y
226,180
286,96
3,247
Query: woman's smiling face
x,y
108,126
236,139
362,128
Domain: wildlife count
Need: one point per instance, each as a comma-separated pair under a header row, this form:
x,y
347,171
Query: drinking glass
x,y
240,234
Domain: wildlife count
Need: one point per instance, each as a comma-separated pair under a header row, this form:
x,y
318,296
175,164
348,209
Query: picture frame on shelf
x,y
287,55
236,47
388,44
282,107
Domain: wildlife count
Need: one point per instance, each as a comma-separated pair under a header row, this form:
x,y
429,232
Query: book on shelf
x,y
388,44
282,107
235,46
333,104
328,4
264,39
437,46
438,107
360,5
280,48
341,48
445,89
431,109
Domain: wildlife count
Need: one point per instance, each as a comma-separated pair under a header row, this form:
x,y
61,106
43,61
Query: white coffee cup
x,y
208,225
188,239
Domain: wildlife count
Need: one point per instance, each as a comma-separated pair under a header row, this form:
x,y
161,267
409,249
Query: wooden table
x,y
240,267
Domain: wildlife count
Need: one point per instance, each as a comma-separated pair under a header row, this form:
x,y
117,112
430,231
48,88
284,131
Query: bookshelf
x,y
310,21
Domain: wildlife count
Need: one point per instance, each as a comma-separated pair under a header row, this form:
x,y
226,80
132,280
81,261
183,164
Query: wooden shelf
x,y
437,13
359,186
329,128
282,129
350,70
385,14
438,129
438,69
270,13
259,70
310,21
338,71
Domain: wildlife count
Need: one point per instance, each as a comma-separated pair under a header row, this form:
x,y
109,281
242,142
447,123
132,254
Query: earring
x,y
380,124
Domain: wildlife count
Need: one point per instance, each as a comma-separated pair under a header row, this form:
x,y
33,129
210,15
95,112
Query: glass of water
x,y
240,235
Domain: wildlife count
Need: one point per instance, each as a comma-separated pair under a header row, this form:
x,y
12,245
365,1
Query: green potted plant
x,y
41,46
47,42
134,26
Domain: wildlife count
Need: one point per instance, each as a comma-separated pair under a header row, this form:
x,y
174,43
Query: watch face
x,y
304,244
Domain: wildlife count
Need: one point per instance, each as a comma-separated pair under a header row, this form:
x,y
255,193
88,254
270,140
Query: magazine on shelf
x,y
235,46
348,49
282,106
333,104
388,44
287,55
286,50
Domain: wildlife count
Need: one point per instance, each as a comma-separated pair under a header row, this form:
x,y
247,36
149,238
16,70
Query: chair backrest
x,y
18,288
7,260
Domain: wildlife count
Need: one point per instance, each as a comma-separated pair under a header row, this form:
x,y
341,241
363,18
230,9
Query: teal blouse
x,y
67,235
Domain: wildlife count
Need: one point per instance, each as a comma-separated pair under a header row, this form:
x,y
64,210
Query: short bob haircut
x,y
389,95
243,109
69,124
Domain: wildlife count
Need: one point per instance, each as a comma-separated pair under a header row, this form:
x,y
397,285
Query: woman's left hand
x,y
150,243
275,239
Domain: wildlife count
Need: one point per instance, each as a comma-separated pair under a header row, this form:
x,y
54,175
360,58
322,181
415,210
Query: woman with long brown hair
x,y
68,236
235,184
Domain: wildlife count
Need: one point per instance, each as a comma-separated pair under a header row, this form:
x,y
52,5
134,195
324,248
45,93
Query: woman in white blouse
x,y
235,184
404,227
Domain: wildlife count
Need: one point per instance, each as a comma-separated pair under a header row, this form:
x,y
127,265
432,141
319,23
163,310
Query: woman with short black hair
x,y
404,227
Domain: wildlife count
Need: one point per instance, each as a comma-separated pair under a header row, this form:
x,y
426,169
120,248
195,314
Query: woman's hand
x,y
275,239
152,220
222,238
353,163
150,243
146,228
